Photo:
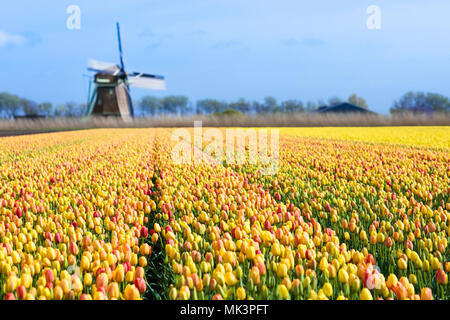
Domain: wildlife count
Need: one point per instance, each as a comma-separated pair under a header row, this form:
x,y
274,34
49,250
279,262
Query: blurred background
x,y
253,56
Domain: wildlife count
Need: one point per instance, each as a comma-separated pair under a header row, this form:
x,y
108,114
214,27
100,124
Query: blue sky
x,y
227,49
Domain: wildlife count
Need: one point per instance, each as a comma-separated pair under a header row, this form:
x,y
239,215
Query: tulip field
x,y
352,213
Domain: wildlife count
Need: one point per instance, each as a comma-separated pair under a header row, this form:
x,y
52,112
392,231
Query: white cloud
x,y
10,39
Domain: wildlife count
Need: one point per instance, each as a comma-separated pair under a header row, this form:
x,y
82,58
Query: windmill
x,y
111,92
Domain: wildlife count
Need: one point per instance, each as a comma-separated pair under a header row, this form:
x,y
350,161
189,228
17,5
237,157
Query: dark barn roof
x,y
343,108
29,116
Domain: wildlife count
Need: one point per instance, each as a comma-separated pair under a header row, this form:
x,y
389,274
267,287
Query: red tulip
x,y
99,271
370,259
388,242
48,236
144,232
49,275
441,277
73,247
409,244
84,296
10,296
58,238
19,212
127,266
140,284
21,292
8,247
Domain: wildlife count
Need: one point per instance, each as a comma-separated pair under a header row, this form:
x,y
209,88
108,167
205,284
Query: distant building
x,y
343,108
30,116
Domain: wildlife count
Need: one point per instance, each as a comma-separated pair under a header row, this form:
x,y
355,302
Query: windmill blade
x,y
122,65
100,66
147,81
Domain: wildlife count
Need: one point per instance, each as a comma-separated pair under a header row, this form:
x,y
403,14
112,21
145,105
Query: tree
x,y
60,110
311,106
292,106
9,104
199,109
419,102
358,101
30,108
437,102
45,108
174,104
269,105
69,109
150,105
334,100
73,109
211,106
229,113
241,105
257,107
188,109
80,110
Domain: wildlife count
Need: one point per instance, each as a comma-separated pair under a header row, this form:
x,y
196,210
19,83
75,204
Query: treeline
x,y
411,102
420,102
153,106
150,106
12,105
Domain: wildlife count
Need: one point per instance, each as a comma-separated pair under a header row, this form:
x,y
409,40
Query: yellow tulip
x,y
343,276
328,289
402,264
365,294
283,291
392,281
240,293
142,261
87,280
281,270
230,278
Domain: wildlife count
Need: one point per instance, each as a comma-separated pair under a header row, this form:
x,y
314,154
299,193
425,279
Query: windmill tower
x,y
111,93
